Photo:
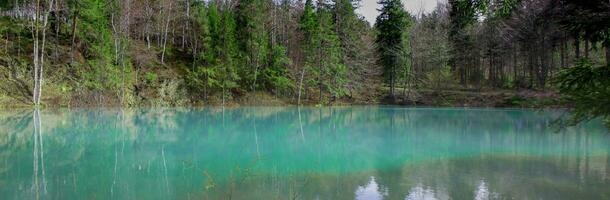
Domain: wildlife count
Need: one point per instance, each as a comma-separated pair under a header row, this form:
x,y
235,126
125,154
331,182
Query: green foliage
x,y
94,31
440,77
391,25
151,77
323,53
276,75
589,18
228,53
216,66
331,70
6,5
309,26
252,38
506,7
346,22
466,12
586,88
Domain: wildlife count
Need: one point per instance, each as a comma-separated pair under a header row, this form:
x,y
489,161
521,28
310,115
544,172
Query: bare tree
x,y
168,15
38,31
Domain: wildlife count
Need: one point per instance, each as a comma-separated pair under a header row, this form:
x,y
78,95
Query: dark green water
x,y
308,153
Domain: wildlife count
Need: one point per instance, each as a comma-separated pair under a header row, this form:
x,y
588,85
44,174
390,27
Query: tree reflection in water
x,y
38,155
299,153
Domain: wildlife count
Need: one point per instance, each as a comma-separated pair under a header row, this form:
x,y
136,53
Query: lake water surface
x,y
307,153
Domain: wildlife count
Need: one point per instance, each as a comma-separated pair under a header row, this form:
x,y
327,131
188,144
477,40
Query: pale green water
x,y
307,153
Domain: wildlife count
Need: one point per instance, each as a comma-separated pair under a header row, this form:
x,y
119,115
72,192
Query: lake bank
x,y
421,97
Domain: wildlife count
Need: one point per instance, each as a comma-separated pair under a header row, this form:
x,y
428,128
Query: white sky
x,y
369,7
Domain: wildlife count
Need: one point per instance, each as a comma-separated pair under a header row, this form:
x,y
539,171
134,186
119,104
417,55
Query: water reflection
x,y
39,187
299,153
421,192
482,192
371,191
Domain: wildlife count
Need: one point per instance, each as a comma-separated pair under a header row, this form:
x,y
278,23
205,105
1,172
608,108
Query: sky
x,y
369,7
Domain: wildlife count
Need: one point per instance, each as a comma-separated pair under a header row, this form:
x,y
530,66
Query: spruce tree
x,y
275,76
330,70
228,54
308,25
346,25
252,38
391,26
197,78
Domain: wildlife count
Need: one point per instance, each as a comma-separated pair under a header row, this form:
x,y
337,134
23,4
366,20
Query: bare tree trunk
x,y
320,73
6,44
393,83
74,24
577,46
186,26
563,53
57,26
608,55
587,46
515,75
35,36
44,35
39,51
116,39
301,85
406,80
166,30
255,74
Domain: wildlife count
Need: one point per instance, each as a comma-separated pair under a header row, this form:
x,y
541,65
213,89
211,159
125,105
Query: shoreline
x,y
423,98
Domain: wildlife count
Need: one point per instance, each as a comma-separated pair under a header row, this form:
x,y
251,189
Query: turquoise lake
x,y
360,152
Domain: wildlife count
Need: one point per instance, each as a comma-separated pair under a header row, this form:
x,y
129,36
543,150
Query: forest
x,y
132,53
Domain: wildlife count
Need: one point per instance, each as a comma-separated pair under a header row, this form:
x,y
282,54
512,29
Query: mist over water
x,y
300,153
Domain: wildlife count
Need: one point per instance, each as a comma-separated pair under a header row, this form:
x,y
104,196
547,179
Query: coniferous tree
x,y
330,71
197,77
275,76
308,25
228,54
252,38
391,27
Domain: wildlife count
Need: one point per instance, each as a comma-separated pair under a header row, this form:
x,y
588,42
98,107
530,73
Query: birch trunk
x,y
44,36
74,24
166,30
35,27
301,86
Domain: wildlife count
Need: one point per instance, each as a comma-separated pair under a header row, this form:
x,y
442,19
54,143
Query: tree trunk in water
x,y
301,86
